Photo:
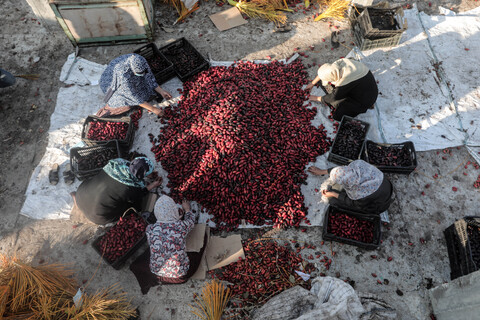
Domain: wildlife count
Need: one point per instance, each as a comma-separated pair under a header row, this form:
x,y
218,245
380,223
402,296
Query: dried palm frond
x,y
263,9
106,304
26,283
212,301
28,76
183,12
336,9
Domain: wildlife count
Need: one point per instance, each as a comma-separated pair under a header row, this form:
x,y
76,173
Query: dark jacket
x,y
103,199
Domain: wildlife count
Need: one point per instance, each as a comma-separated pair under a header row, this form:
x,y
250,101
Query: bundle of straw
x,y
212,301
264,9
183,12
46,292
336,9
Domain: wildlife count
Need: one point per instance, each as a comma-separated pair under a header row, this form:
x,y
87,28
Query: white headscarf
x,y
359,179
166,210
342,72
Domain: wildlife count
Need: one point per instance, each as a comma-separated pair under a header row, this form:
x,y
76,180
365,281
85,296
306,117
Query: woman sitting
x,y
365,188
168,259
355,89
119,186
127,82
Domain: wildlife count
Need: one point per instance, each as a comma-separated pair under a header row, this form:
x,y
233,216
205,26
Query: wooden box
x,y
104,22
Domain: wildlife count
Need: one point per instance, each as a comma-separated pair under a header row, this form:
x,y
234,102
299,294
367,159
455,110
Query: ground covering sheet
x,y
429,95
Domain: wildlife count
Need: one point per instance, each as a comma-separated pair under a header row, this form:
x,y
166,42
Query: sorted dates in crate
x,y
349,227
349,139
184,58
473,232
103,131
157,63
389,155
96,160
122,237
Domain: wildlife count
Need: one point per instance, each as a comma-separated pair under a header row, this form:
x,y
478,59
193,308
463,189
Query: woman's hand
x,y
317,171
156,183
158,111
309,86
330,194
165,94
315,98
186,205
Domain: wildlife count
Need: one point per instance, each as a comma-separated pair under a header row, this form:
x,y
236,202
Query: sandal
x,y
68,175
53,175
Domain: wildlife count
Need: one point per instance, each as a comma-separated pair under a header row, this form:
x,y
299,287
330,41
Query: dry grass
x,y
336,9
47,291
212,301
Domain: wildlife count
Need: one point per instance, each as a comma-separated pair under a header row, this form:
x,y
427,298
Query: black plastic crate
x,y
374,219
463,246
333,156
119,262
161,67
124,143
378,23
81,159
181,53
405,149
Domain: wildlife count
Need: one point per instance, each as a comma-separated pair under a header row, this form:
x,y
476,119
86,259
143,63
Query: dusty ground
x,y
25,112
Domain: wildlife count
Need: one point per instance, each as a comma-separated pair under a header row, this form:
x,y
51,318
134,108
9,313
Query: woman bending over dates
x,y
118,186
365,188
354,87
128,82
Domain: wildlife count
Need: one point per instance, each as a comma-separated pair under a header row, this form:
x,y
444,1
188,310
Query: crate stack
x,y
463,245
377,27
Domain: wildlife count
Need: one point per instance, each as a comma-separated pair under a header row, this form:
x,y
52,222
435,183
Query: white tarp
x,y
414,105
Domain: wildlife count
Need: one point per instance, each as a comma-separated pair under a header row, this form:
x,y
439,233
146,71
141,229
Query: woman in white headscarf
x,y
355,89
167,240
365,188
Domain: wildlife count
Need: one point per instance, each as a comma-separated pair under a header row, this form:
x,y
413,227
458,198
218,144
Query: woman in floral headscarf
x,y
354,87
119,186
365,188
167,239
127,82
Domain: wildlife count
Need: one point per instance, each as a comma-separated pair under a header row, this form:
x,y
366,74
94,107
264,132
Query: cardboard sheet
x,y
223,251
227,19
194,241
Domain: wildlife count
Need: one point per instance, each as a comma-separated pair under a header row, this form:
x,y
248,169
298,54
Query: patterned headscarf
x,y
342,72
141,167
359,179
119,169
138,64
166,210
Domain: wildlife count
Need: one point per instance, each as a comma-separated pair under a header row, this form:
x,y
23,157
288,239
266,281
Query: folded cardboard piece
x,y
218,253
228,19
148,202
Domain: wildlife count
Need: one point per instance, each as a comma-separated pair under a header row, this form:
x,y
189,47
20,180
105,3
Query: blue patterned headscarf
x,y
359,179
119,169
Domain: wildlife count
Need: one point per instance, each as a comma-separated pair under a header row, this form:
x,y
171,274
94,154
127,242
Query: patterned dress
x,y
168,257
128,89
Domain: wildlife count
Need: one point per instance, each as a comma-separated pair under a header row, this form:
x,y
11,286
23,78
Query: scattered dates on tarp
x,y
122,237
101,131
268,269
239,141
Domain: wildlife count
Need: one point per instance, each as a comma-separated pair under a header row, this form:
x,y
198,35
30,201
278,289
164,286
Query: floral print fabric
x,y
168,257
359,179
